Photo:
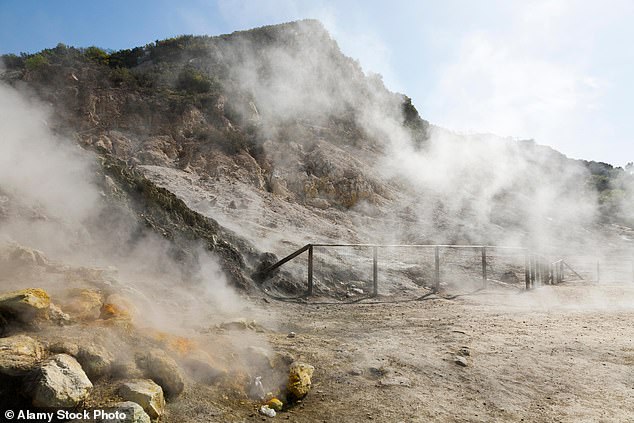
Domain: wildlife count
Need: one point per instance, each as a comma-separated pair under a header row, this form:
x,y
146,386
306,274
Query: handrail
x,y
499,247
538,268
572,270
309,247
286,259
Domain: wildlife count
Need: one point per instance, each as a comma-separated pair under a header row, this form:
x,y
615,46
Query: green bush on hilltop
x,y
97,55
36,62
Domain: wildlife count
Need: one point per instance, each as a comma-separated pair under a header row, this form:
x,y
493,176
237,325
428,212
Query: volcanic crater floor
x,y
555,354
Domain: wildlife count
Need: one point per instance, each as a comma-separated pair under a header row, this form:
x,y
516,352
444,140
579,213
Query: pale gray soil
x,y
560,354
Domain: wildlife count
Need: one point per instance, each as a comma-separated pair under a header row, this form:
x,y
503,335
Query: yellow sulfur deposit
x,y
275,404
299,382
25,304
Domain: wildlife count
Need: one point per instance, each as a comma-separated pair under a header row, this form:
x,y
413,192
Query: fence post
x,y
527,272
531,269
536,265
375,271
561,271
484,267
537,270
598,272
437,269
551,274
310,270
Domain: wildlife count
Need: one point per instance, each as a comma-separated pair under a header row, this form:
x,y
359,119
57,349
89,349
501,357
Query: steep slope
x,y
283,140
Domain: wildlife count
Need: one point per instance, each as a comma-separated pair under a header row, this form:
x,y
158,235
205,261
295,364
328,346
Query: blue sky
x,y
558,71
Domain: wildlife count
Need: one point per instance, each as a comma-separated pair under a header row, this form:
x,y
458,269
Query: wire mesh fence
x,y
358,270
617,269
366,270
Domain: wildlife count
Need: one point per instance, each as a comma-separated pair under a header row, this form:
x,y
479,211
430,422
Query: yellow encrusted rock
x,y
299,382
26,304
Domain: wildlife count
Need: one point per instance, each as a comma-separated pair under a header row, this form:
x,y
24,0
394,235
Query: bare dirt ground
x,y
556,354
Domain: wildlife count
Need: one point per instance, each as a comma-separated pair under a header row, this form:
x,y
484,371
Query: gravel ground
x,y
561,354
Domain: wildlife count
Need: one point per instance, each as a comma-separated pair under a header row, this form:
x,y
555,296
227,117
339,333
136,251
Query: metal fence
x,y
617,269
365,267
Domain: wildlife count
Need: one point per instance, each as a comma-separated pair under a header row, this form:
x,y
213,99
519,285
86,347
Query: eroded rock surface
x,y
134,413
146,393
162,369
299,380
25,305
19,354
62,383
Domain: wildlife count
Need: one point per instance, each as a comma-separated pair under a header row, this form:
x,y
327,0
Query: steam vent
x,y
254,226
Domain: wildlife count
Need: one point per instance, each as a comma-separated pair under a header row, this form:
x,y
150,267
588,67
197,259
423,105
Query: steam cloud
x,y
461,188
50,201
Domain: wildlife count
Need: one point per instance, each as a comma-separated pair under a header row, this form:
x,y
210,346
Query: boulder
x,y
95,360
62,383
64,347
19,256
299,382
134,413
56,315
146,393
25,305
162,369
19,354
84,304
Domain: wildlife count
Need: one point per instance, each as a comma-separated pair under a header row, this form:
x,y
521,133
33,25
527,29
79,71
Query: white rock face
x,y
62,383
146,393
134,413
19,354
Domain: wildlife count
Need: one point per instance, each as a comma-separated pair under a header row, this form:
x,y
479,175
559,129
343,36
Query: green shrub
x,y
126,58
194,81
11,61
97,55
35,62
122,76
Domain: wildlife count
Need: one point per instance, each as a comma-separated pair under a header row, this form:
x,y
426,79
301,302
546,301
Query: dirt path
x,y
562,354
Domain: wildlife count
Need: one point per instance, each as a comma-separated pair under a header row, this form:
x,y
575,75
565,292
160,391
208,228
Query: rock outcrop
x,y
146,393
95,360
134,413
84,304
19,355
25,305
162,369
62,383
299,380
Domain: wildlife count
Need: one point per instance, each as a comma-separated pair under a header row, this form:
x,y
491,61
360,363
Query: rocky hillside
x,y
139,188
266,139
